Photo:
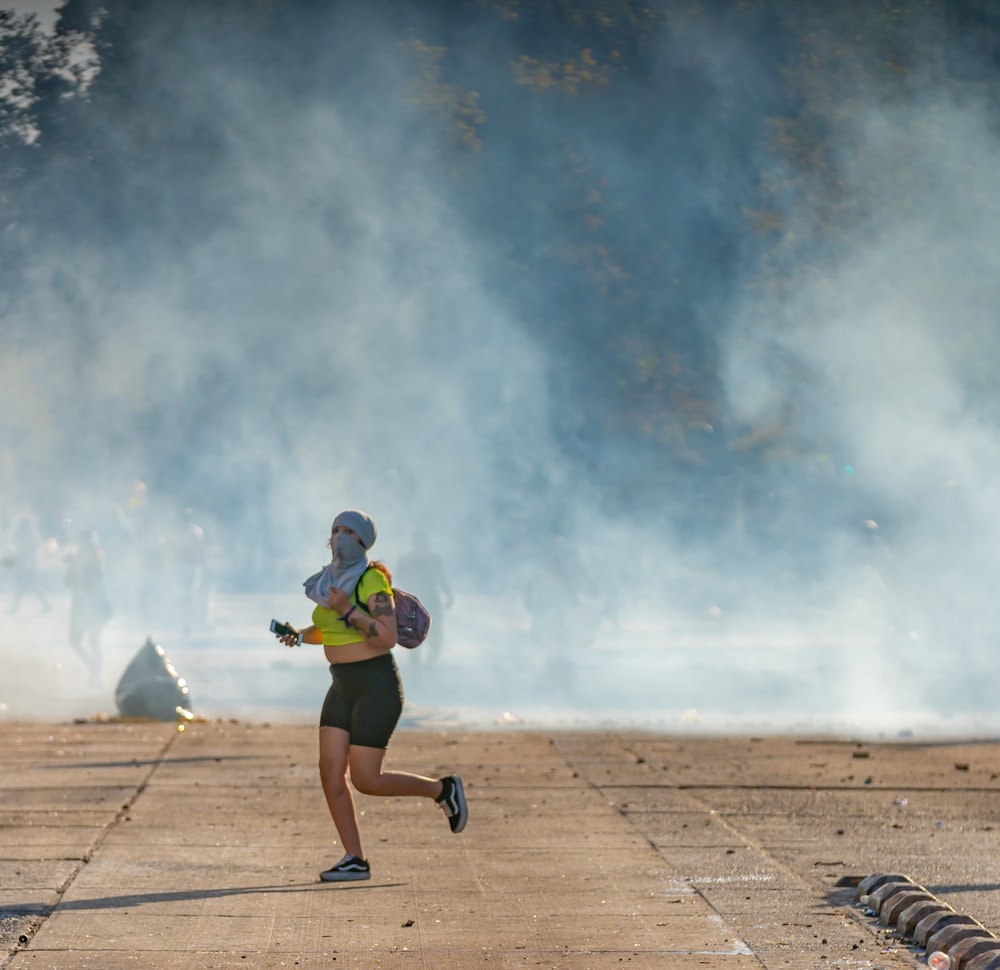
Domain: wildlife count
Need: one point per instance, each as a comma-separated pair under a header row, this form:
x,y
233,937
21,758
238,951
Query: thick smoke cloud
x,y
323,336
881,350
327,305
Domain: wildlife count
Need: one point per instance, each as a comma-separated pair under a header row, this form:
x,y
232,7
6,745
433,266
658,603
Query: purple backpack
x,y
413,622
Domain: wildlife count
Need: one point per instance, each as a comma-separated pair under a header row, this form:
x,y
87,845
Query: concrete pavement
x,y
139,845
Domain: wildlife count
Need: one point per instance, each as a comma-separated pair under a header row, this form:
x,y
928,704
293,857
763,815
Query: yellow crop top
x,y
328,622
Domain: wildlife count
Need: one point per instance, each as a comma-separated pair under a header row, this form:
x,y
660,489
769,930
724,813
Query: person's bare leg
x,y
334,744
368,777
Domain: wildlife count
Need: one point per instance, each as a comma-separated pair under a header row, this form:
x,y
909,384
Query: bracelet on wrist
x,y
346,616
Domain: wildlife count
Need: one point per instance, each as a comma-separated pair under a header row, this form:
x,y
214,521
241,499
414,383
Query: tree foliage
x,y
37,67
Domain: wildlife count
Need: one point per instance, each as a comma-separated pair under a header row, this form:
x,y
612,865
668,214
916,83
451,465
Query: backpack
x,y
413,622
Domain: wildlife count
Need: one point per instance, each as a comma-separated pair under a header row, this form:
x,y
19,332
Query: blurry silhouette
x,y
563,613
26,543
89,607
421,571
875,554
188,555
139,564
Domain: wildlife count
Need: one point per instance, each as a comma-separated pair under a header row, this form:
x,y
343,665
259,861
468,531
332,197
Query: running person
x,y
355,621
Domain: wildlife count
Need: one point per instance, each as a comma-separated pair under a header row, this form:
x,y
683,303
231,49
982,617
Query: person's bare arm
x,y
377,626
312,634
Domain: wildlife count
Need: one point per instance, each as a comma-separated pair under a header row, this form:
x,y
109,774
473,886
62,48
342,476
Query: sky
x,y
45,10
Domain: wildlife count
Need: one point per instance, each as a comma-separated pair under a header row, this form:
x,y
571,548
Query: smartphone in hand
x,y
284,630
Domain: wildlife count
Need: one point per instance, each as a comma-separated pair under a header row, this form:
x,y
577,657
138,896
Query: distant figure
x,y
89,608
27,542
189,561
560,612
875,553
421,571
139,563
876,578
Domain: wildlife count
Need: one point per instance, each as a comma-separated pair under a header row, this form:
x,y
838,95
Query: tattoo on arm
x,y
382,605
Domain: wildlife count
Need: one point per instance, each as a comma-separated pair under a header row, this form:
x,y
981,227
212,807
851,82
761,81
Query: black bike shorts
x,y
365,699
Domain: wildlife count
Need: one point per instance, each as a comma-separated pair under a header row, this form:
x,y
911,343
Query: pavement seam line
x,y
120,815
847,910
154,763
689,792
620,811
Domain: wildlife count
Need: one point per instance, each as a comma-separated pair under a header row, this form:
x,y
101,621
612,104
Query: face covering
x,y
348,562
347,551
349,557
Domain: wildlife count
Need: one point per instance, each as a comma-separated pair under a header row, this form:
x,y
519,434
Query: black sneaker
x,y
452,801
349,869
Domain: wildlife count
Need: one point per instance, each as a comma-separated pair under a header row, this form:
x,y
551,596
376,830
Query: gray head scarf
x,y
350,559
